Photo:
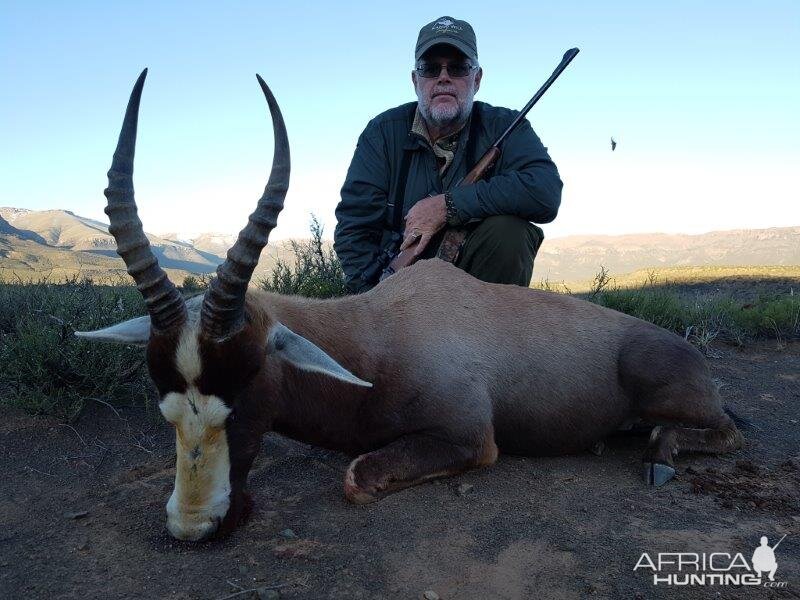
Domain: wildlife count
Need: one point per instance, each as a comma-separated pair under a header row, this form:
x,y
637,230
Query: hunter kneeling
x,y
401,187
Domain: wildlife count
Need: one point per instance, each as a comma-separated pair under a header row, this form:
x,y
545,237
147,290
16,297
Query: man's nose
x,y
444,75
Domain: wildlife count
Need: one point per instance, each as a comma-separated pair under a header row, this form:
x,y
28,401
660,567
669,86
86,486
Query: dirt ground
x,y
82,513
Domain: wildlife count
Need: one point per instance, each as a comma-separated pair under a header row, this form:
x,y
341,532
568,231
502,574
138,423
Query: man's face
x,y
445,100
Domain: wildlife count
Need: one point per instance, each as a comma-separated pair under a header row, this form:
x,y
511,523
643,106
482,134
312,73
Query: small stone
x,y
464,489
598,448
267,594
77,515
430,595
288,534
84,545
692,471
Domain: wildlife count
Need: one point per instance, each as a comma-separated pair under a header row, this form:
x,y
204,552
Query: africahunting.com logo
x,y
714,568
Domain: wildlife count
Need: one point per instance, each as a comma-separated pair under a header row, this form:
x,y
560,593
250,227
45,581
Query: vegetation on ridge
x,y
45,369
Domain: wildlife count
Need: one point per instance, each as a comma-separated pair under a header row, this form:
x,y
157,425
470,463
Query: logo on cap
x,y
443,25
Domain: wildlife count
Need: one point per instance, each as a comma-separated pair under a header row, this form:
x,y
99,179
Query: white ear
x,y
286,345
133,331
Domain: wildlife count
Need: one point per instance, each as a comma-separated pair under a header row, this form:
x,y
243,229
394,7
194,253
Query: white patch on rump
x,y
202,486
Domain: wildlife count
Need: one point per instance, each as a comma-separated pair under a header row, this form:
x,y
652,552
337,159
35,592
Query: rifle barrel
x,y
568,56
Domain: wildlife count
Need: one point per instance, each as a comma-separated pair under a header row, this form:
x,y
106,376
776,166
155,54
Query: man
x,y
764,559
409,159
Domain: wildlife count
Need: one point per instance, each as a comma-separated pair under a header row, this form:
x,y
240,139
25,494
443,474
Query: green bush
x,y
44,368
316,272
704,319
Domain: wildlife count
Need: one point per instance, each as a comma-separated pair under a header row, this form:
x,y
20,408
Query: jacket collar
x,y
418,136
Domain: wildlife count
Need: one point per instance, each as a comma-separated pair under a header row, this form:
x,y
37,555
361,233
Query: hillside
x,y
59,242
577,258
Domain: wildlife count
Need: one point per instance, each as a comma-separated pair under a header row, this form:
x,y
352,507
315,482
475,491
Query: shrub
x,y
316,272
44,368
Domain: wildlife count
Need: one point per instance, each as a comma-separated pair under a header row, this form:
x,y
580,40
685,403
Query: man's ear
x,y
134,331
285,344
478,77
414,79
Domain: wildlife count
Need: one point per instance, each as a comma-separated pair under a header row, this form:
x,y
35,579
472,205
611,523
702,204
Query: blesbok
x,y
426,375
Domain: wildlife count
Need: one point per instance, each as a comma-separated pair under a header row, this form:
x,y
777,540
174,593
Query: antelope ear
x,y
286,345
134,331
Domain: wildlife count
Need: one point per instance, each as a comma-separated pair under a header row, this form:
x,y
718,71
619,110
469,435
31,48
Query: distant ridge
x,y
576,258
59,241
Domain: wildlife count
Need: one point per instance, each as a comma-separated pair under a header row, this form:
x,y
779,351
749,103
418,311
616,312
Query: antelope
x,y
427,375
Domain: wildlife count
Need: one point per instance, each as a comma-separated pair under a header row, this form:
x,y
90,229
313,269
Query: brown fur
x,y
459,369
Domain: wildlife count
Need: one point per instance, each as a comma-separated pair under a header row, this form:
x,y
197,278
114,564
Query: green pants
x,y
499,249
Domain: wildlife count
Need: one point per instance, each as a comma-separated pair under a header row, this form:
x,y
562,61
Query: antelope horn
x,y
164,302
223,305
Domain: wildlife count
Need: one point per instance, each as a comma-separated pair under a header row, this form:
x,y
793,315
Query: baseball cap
x,y
450,31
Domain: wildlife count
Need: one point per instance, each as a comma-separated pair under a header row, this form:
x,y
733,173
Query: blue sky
x,y
701,97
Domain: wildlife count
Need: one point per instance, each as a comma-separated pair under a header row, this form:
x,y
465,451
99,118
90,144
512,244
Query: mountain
x,y
9,230
66,230
579,257
58,243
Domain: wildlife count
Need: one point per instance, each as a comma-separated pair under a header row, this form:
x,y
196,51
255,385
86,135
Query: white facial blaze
x,y
202,486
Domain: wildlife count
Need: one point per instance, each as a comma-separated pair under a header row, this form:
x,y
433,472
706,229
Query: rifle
x,y
454,237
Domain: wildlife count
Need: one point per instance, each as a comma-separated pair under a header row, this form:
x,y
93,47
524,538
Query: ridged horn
x,y
165,305
223,305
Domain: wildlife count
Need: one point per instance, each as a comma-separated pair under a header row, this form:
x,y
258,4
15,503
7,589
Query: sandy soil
x,y
82,513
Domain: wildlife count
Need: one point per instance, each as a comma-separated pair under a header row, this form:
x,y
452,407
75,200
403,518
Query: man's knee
x,y
507,236
501,249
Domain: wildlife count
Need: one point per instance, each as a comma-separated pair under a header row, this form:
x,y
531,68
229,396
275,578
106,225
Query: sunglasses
x,y
432,70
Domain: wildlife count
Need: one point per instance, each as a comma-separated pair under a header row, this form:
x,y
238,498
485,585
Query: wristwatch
x,y
451,214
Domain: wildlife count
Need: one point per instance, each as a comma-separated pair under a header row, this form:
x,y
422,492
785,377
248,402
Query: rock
x,y
267,594
288,534
464,489
76,515
598,448
430,595
692,471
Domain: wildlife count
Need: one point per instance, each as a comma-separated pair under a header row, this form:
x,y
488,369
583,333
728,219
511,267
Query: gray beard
x,y
443,117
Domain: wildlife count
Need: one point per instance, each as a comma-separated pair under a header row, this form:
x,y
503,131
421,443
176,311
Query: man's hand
x,y
424,219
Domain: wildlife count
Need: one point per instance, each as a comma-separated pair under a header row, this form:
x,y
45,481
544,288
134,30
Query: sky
x,y
701,98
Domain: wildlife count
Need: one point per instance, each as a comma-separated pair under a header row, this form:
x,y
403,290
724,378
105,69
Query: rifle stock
x,y
454,237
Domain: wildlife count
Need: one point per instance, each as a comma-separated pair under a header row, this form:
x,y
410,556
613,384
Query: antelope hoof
x,y
656,474
355,493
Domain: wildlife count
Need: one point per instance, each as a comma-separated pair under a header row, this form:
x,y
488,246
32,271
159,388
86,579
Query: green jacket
x,y
524,182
